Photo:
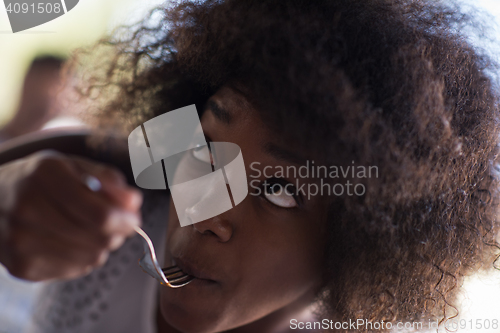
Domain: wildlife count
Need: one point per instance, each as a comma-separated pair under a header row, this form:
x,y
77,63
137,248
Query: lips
x,y
194,270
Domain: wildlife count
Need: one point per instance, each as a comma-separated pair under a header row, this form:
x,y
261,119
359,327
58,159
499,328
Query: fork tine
x,y
171,276
170,268
176,277
179,285
180,279
171,271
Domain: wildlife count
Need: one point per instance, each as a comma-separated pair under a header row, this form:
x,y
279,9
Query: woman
x,y
387,85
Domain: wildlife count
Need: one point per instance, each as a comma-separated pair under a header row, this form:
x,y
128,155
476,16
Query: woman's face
x,y
259,262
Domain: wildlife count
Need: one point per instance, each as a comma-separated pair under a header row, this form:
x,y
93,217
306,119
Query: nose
x,y
217,226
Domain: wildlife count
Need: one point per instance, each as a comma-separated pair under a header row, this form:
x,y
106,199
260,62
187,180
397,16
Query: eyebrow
x,y
219,112
283,154
277,152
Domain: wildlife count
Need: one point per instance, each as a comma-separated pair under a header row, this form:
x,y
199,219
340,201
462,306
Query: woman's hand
x,y
52,225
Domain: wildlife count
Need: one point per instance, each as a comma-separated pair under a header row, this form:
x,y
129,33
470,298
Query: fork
x,y
171,276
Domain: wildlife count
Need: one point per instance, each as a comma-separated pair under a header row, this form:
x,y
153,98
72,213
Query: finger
x,y
31,242
113,183
38,258
45,217
107,173
93,211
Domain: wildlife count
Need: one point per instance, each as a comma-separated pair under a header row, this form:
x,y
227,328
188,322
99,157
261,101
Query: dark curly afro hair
x,y
386,83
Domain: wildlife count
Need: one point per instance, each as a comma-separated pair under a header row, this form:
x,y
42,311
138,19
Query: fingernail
x,y
121,222
103,258
132,219
116,243
136,199
92,183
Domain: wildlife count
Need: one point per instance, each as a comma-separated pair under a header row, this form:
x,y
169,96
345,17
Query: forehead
x,y
229,112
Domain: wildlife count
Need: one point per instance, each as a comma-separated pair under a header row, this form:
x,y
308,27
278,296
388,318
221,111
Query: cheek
x,y
286,262
289,248
278,269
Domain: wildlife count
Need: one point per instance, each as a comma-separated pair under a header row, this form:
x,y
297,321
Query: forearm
x,y
110,150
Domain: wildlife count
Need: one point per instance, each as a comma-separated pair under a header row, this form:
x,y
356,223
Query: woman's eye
x,y
280,195
202,154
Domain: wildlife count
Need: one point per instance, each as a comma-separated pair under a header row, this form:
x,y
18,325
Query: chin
x,y
189,316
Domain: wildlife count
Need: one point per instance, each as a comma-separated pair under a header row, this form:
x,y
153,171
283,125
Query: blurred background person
x,y
38,102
